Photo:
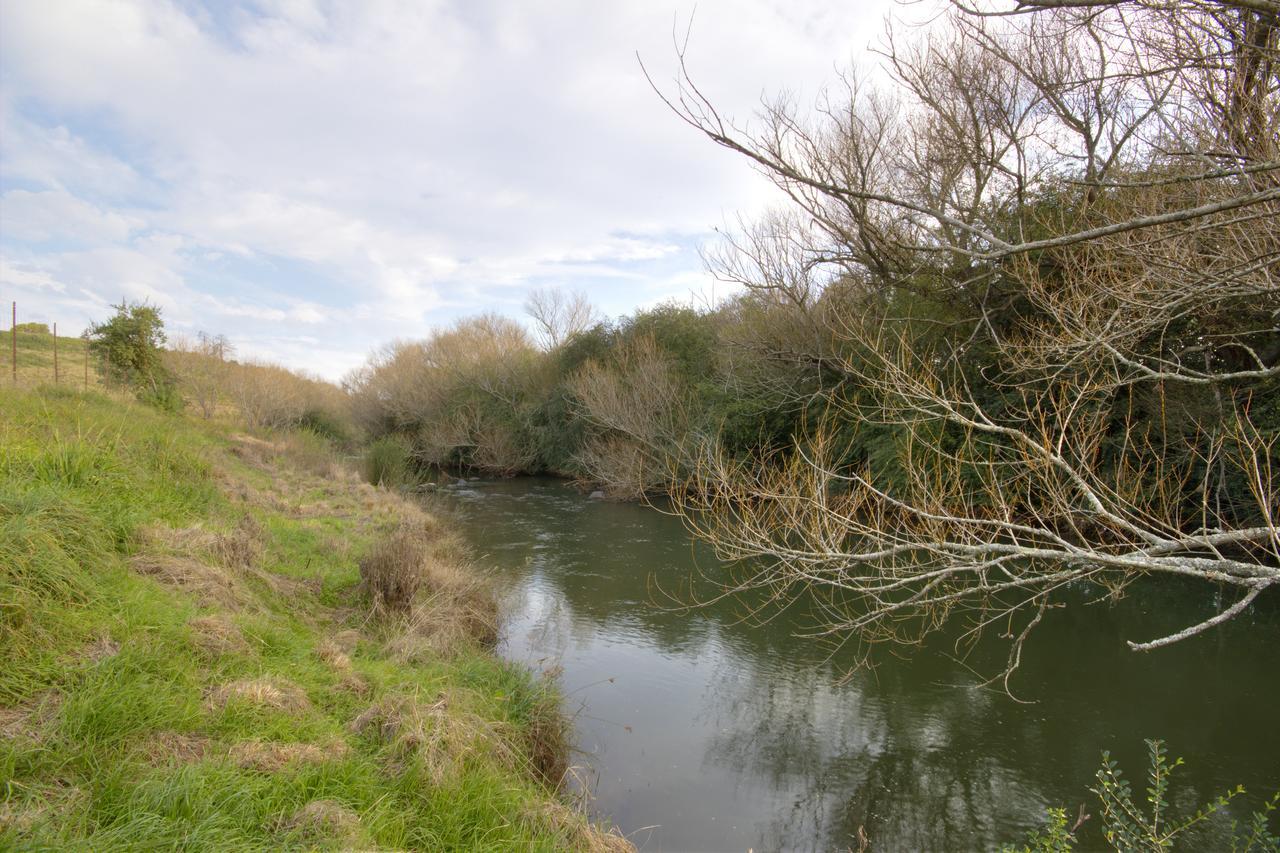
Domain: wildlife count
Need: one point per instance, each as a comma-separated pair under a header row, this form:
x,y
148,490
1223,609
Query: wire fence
x,y
37,355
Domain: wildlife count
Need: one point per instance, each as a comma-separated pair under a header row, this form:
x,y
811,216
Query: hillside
x,y
192,659
35,360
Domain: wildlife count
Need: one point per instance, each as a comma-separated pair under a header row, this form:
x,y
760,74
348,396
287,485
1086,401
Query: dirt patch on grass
x,y
99,650
27,721
51,801
261,693
272,757
210,584
346,641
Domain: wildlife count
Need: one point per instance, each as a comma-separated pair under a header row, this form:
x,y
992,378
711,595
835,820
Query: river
x,y
702,730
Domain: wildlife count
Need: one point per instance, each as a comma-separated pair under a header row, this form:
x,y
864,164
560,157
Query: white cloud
x,y
371,169
57,215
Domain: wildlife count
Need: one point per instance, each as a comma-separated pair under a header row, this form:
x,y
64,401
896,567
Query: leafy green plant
x,y
129,345
326,424
1131,826
387,462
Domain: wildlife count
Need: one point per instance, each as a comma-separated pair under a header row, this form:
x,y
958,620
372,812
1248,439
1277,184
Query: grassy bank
x,y
192,658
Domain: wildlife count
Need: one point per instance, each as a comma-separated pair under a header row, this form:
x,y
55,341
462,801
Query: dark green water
x,y
705,732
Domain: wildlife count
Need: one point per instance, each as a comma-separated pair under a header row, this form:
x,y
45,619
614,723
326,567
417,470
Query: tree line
x,y
1017,328
202,374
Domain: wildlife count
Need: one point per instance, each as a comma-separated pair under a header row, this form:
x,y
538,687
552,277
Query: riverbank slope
x,y
192,658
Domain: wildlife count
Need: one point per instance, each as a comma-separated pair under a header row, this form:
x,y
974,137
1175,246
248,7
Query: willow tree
x,y
1056,238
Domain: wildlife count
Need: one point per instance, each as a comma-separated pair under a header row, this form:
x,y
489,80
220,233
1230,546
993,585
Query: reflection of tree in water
x,y
914,774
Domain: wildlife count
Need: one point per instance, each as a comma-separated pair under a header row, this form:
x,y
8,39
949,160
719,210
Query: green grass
x,y
113,737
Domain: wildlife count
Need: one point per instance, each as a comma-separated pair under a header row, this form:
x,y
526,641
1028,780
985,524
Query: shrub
x,y
387,462
130,344
325,424
163,394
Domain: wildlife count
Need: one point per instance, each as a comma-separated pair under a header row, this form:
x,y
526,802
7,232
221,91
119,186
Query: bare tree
x,y
1057,243
639,405
464,393
559,314
200,367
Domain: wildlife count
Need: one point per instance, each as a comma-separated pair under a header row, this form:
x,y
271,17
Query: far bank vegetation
x,y
1016,330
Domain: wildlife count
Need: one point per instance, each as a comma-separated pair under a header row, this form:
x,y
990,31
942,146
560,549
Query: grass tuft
x,y
264,693
394,569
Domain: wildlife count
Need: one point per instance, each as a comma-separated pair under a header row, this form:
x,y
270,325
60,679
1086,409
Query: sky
x,y
315,179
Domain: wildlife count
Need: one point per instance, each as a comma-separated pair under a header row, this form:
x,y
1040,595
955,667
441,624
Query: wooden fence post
x,y
55,353
13,339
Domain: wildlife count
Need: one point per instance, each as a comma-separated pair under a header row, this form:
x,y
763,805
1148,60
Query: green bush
x,y
326,424
388,462
163,395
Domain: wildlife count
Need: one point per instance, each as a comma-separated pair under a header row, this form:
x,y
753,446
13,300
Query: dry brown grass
x,y
573,831
332,654
393,570
266,693
322,820
439,735
173,748
296,451
239,548
353,683
456,609
254,450
546,740
217,635
206,563
273,757
211,584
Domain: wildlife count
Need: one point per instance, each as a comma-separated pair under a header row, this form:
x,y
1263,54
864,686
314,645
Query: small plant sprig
x,y
1128,826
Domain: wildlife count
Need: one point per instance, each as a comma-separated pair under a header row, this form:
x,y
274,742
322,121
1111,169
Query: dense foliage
x,y
129,345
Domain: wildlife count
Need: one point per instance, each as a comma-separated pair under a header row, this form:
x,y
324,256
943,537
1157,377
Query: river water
x,y
701,730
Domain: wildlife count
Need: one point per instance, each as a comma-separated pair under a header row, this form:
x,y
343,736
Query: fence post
x,y
55,353
13,339
86,365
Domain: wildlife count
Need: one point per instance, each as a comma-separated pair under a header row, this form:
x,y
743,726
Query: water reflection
x,y
712,733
